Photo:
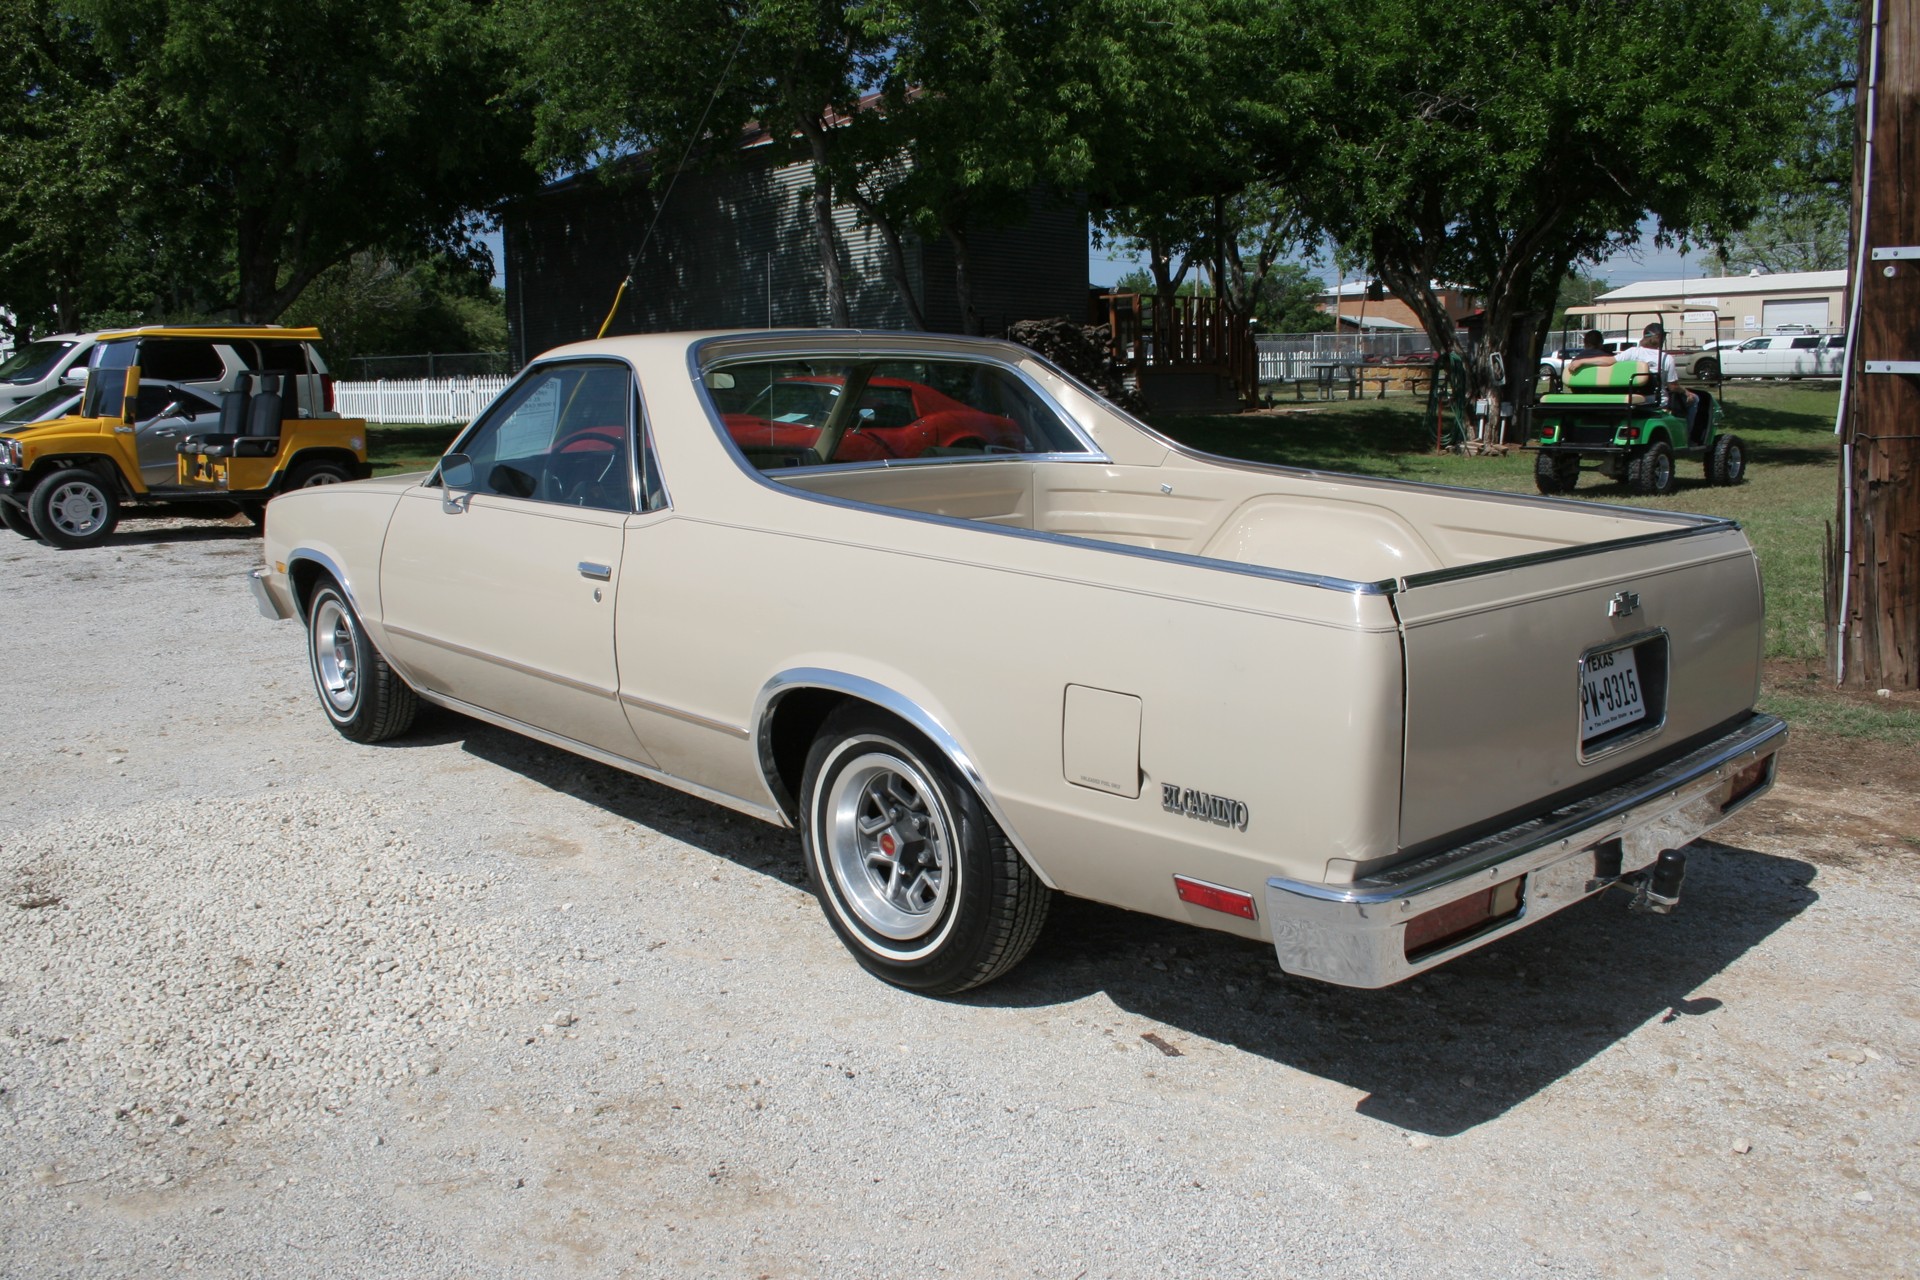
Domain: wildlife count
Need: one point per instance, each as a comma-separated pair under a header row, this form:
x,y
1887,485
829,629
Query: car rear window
x,y
794,412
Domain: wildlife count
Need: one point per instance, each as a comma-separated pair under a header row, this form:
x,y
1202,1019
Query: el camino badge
x,y
1218,810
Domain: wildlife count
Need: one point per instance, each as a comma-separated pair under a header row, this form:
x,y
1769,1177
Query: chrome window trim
x,y
699,366
887,699
639,429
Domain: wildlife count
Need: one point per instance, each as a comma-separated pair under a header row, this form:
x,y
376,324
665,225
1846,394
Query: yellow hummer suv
x,y
224,417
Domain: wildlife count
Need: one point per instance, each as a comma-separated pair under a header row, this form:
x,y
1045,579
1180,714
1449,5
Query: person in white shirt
x,y
1679,400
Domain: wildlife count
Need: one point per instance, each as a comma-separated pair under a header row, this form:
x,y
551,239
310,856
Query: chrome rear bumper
x,y
1354,934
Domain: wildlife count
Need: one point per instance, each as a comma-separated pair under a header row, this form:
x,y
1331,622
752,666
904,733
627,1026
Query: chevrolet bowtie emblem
x,y
1624,604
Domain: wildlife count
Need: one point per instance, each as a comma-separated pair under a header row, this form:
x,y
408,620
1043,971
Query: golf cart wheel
x,y
1556,472
1727,464
74,508
1651,471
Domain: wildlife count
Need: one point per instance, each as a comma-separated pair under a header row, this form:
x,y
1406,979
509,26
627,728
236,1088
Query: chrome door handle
x,y
598,572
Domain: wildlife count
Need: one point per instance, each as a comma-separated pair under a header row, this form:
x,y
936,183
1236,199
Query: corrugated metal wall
x,y
735,249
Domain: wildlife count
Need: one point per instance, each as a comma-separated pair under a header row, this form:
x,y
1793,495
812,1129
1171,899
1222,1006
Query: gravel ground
x,y
274,1003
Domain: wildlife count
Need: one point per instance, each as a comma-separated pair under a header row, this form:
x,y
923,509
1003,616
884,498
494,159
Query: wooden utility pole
x,y
1873,580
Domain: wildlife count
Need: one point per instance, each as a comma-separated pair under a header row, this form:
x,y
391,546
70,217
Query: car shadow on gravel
x,y
1449,1050
1438,1055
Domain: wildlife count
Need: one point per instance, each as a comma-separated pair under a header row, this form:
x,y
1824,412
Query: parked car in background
x,y
234,414
1555,362
48,405
1776,355
896,418
39,366
1374,724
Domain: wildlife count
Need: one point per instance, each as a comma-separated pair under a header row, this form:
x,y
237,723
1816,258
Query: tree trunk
x,y
1873,616
963,279
824,239
896,255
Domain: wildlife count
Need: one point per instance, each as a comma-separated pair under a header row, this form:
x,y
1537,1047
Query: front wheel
x,y
365,698
1651,471
17,520
74,508
1727,464
914,875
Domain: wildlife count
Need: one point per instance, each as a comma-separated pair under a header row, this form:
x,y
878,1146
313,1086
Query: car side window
x,y
152,399
180,360
845,411
1805,344
563,434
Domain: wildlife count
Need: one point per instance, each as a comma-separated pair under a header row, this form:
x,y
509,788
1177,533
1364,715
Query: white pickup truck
x,y
984,638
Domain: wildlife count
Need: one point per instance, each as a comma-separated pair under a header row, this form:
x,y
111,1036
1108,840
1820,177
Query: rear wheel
x,y
914,875
74,508
308,474
365,698
1556,472
1727,464
1707,369
1651,471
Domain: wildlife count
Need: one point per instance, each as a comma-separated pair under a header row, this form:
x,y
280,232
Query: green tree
x,y
373,305
276,138
1289,301
1576,290
1501,145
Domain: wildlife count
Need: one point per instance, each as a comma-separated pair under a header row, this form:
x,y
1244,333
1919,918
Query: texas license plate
x,y
1609,693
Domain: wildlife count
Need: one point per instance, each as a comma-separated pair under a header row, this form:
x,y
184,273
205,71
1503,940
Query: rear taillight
x,y
326,392
1748,781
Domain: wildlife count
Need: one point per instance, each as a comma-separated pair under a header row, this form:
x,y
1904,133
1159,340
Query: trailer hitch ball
x,y
1660,891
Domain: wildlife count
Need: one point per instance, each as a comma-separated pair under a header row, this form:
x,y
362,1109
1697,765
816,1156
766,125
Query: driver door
x,y
499,591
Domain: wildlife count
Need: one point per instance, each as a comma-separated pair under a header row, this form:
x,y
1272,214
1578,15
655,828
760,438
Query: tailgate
x,y
1502,659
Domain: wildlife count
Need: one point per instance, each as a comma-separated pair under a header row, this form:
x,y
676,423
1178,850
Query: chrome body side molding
x,y
889,700
751,808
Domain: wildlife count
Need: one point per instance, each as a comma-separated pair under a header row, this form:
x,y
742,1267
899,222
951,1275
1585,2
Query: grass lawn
x,y
1785,505
403,446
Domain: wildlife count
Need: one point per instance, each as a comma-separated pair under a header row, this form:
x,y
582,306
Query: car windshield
x,y
48,404
32,362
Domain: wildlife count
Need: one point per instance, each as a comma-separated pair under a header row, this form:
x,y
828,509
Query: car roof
x,y
254,331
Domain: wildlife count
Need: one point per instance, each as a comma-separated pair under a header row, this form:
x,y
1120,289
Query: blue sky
x,y
1643,262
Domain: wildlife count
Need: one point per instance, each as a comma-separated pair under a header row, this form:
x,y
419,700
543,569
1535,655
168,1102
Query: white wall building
x,y
1698,310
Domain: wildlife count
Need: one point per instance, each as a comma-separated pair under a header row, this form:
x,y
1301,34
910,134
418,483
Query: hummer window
x,y
181,360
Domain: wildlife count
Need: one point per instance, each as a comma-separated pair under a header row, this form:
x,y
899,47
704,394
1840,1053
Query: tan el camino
x,y
984,638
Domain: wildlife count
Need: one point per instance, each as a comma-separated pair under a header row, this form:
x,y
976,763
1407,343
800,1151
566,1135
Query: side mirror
x,y
863,419
177,409
456,475
76,377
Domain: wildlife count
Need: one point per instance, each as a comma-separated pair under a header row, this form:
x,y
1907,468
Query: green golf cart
x,y
1616,417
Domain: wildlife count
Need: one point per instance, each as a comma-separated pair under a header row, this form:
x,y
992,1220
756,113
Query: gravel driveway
x,y
276,1004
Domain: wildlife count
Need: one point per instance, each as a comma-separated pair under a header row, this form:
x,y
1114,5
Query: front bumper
x,y
1355,934
259,582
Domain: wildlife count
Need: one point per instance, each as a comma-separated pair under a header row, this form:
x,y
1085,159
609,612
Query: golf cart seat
x,y
1624,383
249,421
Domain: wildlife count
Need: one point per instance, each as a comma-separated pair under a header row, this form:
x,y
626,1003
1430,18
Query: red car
x,y
897,419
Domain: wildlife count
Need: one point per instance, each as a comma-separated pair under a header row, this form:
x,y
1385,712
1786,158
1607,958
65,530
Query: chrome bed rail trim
x,y
1352,933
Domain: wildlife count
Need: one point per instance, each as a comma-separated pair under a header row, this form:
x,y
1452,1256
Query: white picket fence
x,y
417,399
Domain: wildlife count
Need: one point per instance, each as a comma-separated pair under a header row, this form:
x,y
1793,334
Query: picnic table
x,y
1328,372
